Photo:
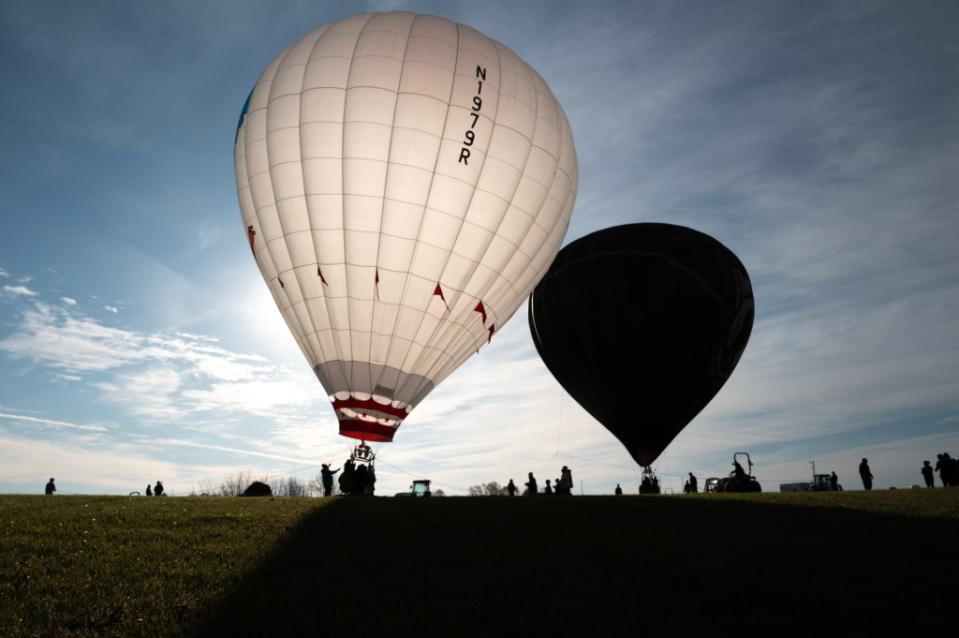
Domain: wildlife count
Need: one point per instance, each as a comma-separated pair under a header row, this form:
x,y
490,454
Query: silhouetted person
x,y
346,478
739,473
50,488
511,488
927,474
149,490
693,484
361,479
952,465
548,489
619,490
158,489
326,475
865,474
943,470
948,469
531,488
566,480
370,480
833,482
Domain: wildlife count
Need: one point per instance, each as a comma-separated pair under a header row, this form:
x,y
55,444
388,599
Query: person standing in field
x,y
548,489
833,481
531,488
927,474
619,490
943,469
566,481
361,480
158,489
947,468
326,474
866,474
50,488
149,490
511,488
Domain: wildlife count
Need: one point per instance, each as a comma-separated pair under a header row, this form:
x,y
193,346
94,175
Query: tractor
x,y
739,480
823,482
419,488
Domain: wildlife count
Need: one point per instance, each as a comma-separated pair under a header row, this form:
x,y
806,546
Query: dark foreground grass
x,y
853,563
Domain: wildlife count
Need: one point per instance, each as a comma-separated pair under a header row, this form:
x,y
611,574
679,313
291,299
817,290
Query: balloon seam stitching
x,y
346,96
442,331
419,229
279,293
440,325
567,132
316,253
386,180
306,345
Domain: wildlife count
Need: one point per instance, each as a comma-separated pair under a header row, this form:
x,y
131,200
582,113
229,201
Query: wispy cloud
x,y
112,309
4,273
159,376
70,301
51,422
19,291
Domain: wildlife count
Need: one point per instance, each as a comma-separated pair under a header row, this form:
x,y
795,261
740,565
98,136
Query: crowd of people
x,y
357,479
360,479
562,486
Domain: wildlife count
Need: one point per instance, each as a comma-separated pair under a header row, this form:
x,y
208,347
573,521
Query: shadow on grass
x,y
590,566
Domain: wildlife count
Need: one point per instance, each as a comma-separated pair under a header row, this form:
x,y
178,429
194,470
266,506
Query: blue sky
x,y
816,140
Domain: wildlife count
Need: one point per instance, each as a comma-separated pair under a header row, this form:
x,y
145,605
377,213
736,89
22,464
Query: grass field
x,y
850,563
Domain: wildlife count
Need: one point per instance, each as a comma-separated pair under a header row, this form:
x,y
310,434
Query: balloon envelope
x,y
642,324
404,182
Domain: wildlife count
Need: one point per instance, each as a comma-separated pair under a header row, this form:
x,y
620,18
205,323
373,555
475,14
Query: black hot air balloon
x,y
642,324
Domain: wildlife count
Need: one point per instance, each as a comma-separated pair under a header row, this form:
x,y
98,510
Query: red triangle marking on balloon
x,y
438,292
250,233
320,273
480,309
281,282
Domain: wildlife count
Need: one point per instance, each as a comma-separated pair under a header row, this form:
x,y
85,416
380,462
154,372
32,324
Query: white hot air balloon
x,y
405,182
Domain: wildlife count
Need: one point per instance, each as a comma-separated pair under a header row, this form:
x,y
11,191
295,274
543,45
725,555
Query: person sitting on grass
x,y
619,490
50,488
158,489
149,490
511,488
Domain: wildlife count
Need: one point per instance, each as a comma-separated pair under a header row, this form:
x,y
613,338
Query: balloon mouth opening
x,y
366,431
